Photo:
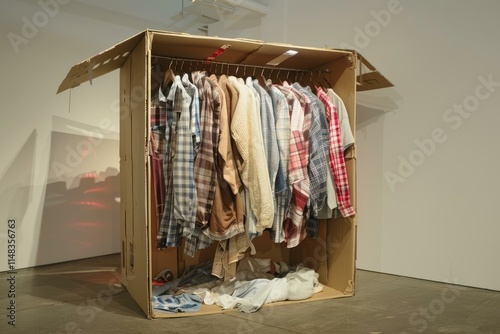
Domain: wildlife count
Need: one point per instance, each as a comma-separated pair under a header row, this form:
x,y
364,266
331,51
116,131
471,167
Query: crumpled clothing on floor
x,y
250,295
194,276
174,304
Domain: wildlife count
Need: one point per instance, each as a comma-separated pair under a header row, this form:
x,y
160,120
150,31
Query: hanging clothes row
x,y
232,158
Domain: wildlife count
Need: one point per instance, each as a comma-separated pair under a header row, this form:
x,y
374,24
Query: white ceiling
x,y
175,15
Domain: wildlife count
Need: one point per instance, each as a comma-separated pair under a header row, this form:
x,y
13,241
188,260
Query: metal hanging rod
x,y
205,63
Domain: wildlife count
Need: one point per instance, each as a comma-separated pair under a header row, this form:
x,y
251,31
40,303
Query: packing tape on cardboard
x,y
218,52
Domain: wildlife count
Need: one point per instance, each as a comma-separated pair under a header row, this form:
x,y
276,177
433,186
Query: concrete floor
x,y
75,297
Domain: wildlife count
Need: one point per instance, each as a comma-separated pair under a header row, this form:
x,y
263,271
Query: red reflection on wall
x,y
86,224
81,217
91,203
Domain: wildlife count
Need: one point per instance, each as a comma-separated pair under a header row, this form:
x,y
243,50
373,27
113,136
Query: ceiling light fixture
x,y
281,58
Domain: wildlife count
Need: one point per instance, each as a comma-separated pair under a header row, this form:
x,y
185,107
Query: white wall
x,y
436,220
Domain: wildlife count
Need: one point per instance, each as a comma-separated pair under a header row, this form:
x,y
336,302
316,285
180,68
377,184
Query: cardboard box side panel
x,y
125,167
148,168
127,200
137,239
312,253
340,236
267,249
184,261
341,242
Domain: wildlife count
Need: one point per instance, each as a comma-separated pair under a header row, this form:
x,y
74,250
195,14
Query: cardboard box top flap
x,y
224,50
371,80
100,64
369,77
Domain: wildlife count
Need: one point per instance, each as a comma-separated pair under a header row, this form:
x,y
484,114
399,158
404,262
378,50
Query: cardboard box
x,y
332,254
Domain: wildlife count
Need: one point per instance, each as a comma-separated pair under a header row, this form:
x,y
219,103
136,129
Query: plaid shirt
x,y
227,255
197,240
344,124
318,157
169,233
268,127
283,193
183,159
300,120
337,163
204,164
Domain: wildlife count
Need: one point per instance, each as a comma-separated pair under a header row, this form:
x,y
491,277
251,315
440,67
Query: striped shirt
x,y
268,127
283,191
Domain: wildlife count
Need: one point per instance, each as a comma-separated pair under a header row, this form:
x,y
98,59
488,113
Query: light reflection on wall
x,y
81,217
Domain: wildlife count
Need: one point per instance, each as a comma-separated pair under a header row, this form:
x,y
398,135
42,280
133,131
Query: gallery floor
x,y
81,297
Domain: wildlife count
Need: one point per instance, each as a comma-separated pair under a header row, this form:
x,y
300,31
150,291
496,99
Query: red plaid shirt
x,y
300,122
336,154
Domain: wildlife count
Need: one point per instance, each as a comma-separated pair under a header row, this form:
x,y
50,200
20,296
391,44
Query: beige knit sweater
x,y
248,137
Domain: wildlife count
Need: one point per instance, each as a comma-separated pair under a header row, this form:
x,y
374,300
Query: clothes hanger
x,y
209,71
327,82
270,76
262,79
278,77
214,75
169,75
318,84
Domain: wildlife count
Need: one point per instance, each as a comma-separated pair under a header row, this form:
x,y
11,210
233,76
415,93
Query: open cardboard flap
x,y
242,51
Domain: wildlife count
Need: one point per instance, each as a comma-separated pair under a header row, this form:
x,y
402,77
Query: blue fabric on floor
x,y
174,304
